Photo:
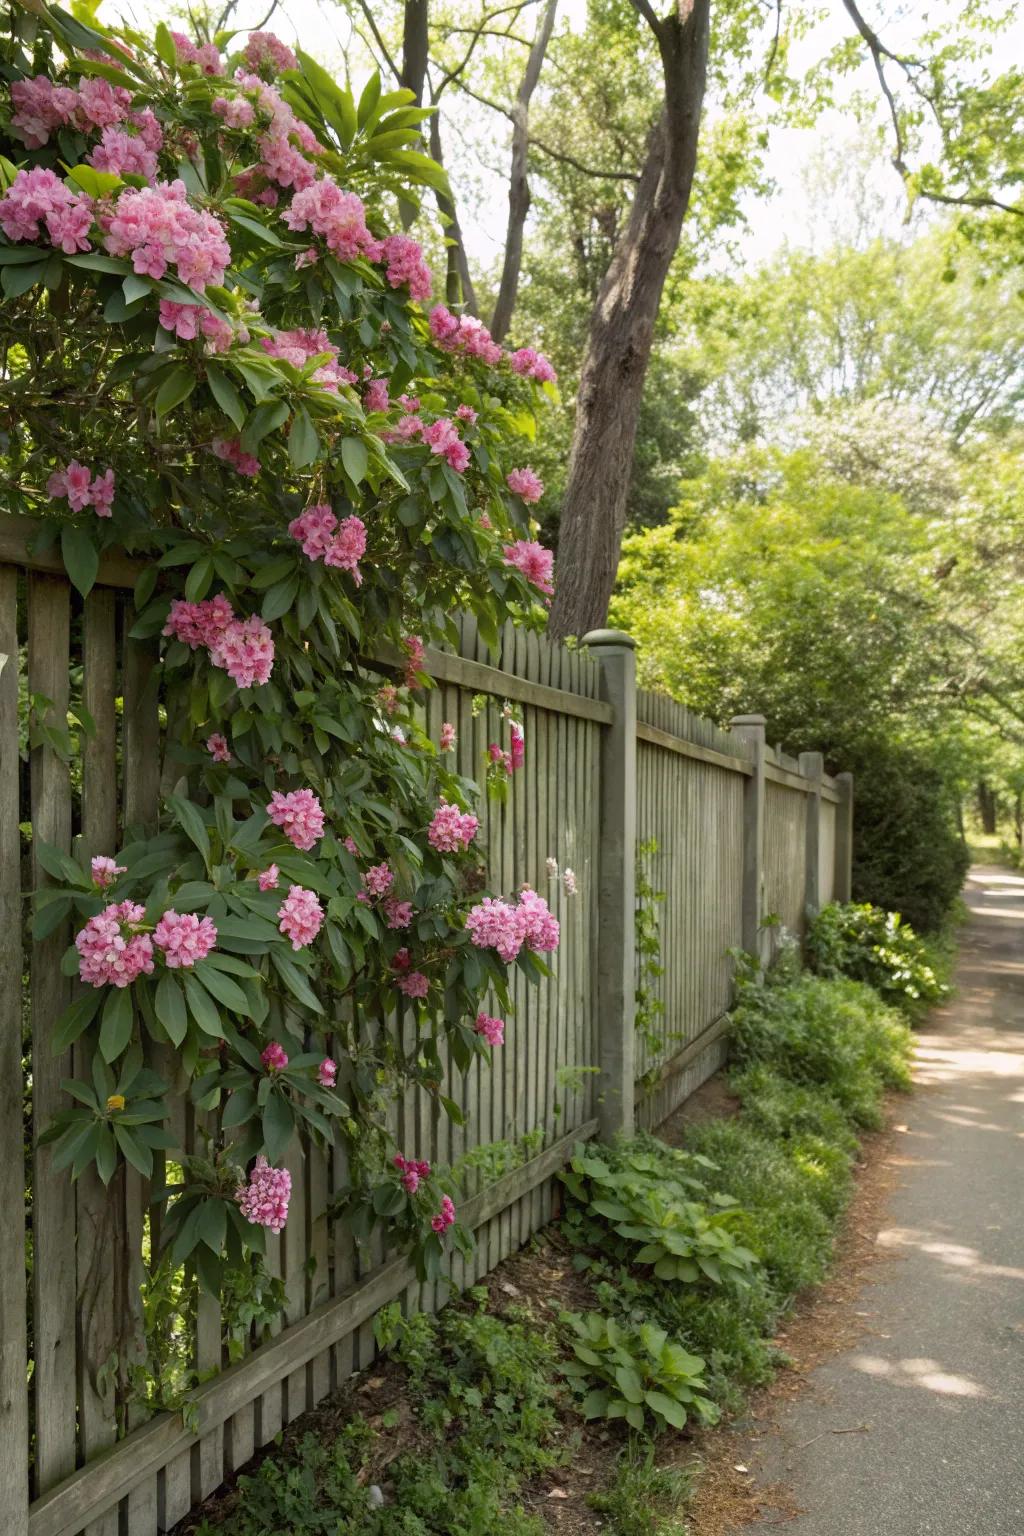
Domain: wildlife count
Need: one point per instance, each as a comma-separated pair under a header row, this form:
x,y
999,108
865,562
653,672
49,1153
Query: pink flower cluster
x,y
243,648
230,450
124,153
338,217
327,1073
525,483
498,925
109,953
413,984
493,1030
397,914
416,656
464,334
187,320
264,1199
217,746
234,113
517,755
451,830
379,879
158,229
82,488
448,737
298,346
204,56
38,196
40,107
376,396
535,562
532,365
405,264
184,938
339,545
267,878
105,871
274,1057
300,916
412,1172
300,816
265,52
445,1216
442,437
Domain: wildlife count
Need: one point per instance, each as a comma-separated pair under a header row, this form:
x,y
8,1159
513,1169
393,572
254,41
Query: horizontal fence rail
x,y
736,831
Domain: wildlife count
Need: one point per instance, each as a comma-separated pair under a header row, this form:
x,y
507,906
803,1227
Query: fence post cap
x,y
598,637
747,720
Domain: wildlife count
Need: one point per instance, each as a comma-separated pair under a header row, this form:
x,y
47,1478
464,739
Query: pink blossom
x,y
101,492
534,561
245,651
466,335
267,878
205,57
442,438
299,346
184,938
533,365
274,1057
197,624
264,1200
339,217
448,737
376,396
412,1172
451,830
186,321
496,925
387,698
300,916
314,530
236,113
158,228
379,879
402,960
467,414
493,1030
569,883
110,954
405,264
217,746
551,865
413,984
351,846
397,914
445,1216
121,153
39,108
300,816
230,450
38,196
105,871
412,645
79,485
525,483
266,54
327,1073
517,756
540,927
308,258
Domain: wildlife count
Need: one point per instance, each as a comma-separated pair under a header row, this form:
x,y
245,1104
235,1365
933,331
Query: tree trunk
x,y
518,185
621,332
415,47
987,808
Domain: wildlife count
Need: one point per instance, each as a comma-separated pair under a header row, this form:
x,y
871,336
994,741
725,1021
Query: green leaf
x,y
280,597
95,183
226,395
76,1017
223,988
176,387
262,231
265,418
190,820
135,1152
201,1006
295,981
116,1024
354,457
81,557
672,1412
278,1126
369,99
303,443
18,280
170,1008
163,42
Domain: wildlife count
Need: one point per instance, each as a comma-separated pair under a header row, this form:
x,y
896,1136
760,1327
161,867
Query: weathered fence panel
x,y
605,767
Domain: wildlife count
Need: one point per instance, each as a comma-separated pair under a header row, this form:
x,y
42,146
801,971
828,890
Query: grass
x,y
479,1406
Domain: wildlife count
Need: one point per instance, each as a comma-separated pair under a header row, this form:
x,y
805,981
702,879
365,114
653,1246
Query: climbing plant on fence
x,y
218,354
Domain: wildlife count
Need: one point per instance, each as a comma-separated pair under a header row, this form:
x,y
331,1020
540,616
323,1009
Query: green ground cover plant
x,y
738,1220
868,944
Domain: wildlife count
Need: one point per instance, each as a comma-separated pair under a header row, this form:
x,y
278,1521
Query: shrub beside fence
x,y
741,831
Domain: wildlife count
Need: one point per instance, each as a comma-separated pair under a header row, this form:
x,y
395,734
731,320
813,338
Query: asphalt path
x,y
918,1430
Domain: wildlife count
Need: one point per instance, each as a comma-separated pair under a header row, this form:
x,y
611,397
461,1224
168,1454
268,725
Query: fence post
x,y
843,883
616,883
812,767
751,728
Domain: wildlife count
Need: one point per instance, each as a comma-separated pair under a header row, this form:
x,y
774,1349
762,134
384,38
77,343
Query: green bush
x,y
867,944
640,1375
837,1035
908,853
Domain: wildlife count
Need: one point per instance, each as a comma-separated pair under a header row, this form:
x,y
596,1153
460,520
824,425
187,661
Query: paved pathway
x,y
939,1376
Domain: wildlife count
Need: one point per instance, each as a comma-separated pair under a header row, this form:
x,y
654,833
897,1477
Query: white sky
x,y
322,29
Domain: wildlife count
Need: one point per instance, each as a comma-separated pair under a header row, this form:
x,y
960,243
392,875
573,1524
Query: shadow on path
x,y
919,1430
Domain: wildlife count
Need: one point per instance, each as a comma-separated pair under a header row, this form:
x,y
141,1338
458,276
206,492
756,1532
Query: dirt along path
x,y
917,1427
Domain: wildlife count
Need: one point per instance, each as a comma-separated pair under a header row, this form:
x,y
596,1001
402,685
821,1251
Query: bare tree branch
x,y
578,165
879,53
643,8
374,29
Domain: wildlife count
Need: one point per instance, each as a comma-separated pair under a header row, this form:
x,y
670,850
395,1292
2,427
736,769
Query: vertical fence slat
x,y
53,1217
14,1485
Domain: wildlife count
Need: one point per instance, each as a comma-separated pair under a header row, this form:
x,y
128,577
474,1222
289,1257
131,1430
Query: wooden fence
x,y
741,831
